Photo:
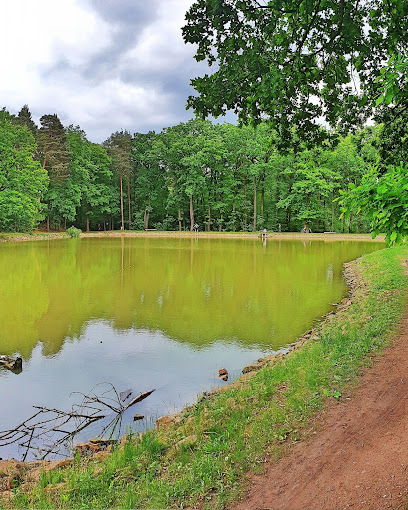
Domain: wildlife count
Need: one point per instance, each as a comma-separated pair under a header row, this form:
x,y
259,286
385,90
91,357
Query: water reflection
x,y
193,290
153,313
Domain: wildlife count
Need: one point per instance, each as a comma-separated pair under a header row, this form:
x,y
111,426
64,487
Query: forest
x,y
219,176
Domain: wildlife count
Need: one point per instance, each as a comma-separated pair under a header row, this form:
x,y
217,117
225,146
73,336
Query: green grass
x,y
230,432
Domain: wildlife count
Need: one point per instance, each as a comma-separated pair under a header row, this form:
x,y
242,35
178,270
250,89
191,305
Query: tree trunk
x,y
48,223
191,214
233,215
128,183
262,201
88,210
350,223
121,201
255,203
245,208
146,218
209,216
179,218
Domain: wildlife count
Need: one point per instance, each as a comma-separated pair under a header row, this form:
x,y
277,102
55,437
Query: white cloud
x,y
63,57
162,43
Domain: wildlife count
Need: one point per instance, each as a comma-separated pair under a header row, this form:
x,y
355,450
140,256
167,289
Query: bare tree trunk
x,y
191,214
255,204
245,207
179,218
209,215
88,208
48,223
121,201
128,186
146,218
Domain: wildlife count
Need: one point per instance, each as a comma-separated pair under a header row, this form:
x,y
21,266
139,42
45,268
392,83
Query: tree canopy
x,y
294,62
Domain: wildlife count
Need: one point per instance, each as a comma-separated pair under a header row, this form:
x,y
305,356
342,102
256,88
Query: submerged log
x,y
11,363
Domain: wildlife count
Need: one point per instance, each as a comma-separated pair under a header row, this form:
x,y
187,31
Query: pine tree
x,y
24,119
53,146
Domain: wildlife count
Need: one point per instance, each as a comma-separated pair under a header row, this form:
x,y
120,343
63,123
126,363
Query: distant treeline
x,y
221,177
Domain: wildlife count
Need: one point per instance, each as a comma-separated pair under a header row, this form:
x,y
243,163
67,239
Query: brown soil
x,y
357,457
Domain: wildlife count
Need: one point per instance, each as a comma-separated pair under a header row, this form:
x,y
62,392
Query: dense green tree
x,y
313,186
149,181
23,182
55,159
90,177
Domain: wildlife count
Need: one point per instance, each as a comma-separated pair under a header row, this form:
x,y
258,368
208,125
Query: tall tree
x,y
53,145
23,182
91,176
55,159
119,147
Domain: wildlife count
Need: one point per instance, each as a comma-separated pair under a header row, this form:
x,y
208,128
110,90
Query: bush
x,y
138,221
74,232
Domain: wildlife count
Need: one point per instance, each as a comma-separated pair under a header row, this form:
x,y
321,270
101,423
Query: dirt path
x,y
358,458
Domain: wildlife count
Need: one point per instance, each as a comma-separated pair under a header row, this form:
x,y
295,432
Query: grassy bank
x,y
202,456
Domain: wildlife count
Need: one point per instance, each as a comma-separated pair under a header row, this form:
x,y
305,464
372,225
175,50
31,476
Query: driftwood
x,y
11,363
51,431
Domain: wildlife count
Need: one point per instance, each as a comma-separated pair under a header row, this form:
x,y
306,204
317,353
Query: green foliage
x,y
23,182
384,200
293,63
74,232
222,177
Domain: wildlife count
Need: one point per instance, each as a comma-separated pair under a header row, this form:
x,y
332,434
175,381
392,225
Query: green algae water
x,y
144,313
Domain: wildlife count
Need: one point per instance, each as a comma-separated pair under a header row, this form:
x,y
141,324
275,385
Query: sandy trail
x,y
358,458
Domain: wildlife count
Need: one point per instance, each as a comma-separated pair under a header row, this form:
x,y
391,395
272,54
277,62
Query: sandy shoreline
x,y
274,236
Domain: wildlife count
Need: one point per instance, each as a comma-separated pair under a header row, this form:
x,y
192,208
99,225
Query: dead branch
x,y
49,429
139,398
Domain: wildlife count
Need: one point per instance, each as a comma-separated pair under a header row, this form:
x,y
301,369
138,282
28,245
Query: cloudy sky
x,y
104,65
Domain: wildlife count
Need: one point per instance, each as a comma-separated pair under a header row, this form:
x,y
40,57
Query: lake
x,y
153,313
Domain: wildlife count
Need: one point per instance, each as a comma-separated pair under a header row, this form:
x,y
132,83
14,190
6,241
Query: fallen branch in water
x,y
50,431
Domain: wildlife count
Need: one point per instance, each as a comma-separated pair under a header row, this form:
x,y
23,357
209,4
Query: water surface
x,y
164,313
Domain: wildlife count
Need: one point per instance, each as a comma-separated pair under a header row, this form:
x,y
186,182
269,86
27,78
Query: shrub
x,y
74,232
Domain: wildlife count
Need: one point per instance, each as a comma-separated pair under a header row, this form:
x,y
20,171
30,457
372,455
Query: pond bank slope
x,y
202,457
